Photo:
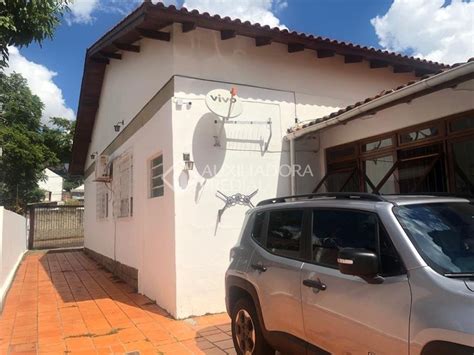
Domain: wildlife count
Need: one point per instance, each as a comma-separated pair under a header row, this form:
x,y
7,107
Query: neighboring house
x,y
418,137
78,193
52,186
146,104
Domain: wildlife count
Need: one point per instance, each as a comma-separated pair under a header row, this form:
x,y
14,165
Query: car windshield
x,y
443,233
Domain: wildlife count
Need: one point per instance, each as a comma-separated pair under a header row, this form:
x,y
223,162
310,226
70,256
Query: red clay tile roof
x,y
155,17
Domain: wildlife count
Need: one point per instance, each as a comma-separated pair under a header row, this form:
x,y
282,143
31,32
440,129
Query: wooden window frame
x,y
445,136
420,142
341,146
458,117
379,151
451,162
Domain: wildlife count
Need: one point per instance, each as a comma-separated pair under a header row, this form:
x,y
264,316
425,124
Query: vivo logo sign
x,y
223,104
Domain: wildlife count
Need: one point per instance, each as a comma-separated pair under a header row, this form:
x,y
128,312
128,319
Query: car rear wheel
x,y
246,331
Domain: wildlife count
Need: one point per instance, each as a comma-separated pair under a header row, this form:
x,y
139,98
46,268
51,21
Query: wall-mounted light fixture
x,y
93,155
180,103
117,126
188,163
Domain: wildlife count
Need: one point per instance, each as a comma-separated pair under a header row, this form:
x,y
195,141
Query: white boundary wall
x,y
12,247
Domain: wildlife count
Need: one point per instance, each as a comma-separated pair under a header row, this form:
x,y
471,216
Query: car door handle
x,y
259,267
315,284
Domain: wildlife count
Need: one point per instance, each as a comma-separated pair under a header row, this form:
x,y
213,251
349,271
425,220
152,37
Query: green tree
x,y
24,154
58,137
25,21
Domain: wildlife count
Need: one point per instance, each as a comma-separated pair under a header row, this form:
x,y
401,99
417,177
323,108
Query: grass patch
x,y
85,335
110,332
93,335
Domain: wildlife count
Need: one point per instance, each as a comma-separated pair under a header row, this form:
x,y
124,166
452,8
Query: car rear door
x,y
346,314
275,270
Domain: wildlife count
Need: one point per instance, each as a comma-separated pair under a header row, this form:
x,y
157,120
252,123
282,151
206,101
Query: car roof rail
x,y
336,195
435,194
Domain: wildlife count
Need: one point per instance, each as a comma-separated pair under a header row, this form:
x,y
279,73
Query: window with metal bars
x,y
123,183
102,201
157,187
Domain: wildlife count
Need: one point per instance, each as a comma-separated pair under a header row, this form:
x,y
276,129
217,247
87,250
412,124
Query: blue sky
x,y
348,20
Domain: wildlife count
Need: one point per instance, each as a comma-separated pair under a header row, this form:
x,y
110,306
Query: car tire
x,y
246,330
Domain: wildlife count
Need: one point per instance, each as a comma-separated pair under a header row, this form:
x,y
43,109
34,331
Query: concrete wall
x,y
144,241
174,241
423,109
12,247
318,85
52,183
249,158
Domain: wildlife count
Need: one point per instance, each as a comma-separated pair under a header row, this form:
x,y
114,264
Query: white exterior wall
x,y
239,165
270,82
173,240
12,247
320,85
144,241
52,183
423,109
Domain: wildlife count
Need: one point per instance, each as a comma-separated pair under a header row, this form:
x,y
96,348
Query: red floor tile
x,y
65,303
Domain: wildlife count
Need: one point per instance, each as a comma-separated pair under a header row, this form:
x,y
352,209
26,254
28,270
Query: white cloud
x,y
40,81
428,29
81,11
260,11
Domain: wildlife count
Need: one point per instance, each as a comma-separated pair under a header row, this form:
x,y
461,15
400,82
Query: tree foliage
x,y
58,137
24,154
25,21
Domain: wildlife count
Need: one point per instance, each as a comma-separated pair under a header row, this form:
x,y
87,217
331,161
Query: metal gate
x,y
56,226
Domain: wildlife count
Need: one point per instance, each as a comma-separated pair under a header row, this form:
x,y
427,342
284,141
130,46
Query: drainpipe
x,y
292,166
433,81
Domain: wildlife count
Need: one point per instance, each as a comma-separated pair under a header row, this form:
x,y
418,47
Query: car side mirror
x,y
359,262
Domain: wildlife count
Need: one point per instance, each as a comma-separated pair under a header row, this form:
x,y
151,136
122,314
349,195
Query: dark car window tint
x,y
284,232
336,229
257,234
390,260
333,230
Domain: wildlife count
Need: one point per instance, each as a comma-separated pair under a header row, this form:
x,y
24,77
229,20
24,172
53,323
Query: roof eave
x,y
436,82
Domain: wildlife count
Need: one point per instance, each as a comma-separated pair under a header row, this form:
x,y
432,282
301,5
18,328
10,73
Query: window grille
x,y
123,182
156,177
102,201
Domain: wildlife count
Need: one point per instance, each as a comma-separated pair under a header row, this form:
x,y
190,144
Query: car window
x,y
257,230
284,232
391,263
443,233
336,229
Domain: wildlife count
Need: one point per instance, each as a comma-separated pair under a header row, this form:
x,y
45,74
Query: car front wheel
x,y
246,330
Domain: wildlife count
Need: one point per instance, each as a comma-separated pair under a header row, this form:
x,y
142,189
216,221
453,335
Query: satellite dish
x,y
224,103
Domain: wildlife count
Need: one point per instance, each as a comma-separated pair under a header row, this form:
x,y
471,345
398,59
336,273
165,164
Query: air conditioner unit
x,y
102,172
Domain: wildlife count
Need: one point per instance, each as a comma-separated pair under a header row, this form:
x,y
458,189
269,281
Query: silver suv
x,y
354,274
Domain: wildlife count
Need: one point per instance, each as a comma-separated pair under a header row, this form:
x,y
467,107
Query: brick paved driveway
x,y
63,303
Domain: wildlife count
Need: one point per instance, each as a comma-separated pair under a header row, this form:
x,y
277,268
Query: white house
x,y
52,185
78,193
146,117
418,137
